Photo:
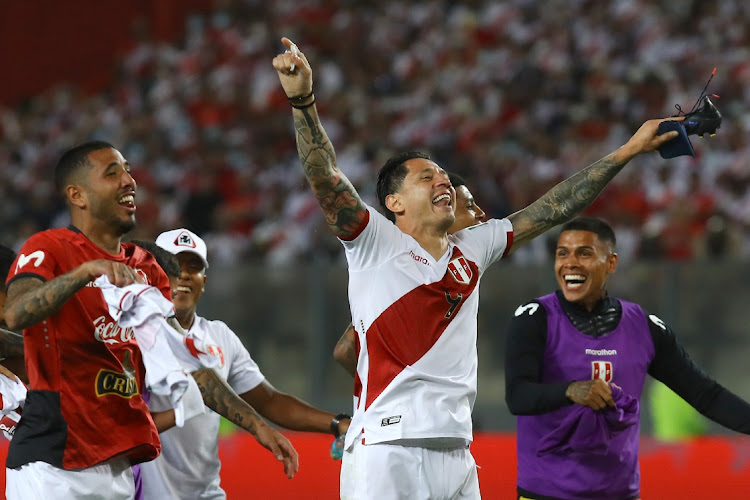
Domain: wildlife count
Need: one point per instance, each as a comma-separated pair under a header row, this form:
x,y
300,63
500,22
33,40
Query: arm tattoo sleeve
x,y
564,201
341,204
30,300
222,399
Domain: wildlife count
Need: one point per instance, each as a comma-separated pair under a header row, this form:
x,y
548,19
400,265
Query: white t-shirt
x,y
416,319
188,466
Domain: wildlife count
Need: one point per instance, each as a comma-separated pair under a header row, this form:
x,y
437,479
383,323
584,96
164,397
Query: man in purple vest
x,y
576,362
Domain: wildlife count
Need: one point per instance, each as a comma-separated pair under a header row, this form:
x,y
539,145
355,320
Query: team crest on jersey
x,y
216,352
460,270
601,370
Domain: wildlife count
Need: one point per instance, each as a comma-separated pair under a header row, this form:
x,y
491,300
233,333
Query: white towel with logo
x,y
144,309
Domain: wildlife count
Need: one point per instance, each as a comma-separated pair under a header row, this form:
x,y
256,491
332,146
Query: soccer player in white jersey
x,y
413,292
188,466
468,213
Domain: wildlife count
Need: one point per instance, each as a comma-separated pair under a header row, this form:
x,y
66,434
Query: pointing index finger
x,y
295,51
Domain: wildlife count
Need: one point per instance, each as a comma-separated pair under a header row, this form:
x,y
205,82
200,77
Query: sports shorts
x,y
392,471
110,480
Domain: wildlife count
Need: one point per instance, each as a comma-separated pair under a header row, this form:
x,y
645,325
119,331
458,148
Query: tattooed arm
x,y
30,300
344,210
574,194
222,399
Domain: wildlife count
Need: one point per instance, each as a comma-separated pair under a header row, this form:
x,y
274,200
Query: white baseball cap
x,y
183,240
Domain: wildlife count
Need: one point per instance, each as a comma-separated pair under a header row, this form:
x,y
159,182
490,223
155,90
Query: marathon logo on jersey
x,y
390,420
601,352
419,258
110,332
217,352
601,370
460,270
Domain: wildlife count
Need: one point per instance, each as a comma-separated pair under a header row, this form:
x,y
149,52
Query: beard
x,y
121,226
106,212
125,226
446,223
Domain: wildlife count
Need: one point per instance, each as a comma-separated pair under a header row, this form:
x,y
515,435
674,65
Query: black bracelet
x,y
335,423
299,98
302,106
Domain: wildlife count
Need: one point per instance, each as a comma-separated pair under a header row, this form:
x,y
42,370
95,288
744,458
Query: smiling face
x,y
583,263
425,198
188,287
467,211
108,193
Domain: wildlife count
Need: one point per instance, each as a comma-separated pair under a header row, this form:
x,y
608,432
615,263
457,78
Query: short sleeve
x,y
378,241
487,242
35,259
244,373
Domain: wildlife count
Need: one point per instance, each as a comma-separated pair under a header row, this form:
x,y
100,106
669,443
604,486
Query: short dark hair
x,y
456,180
593,225
73,159
392,175
167,260
7,256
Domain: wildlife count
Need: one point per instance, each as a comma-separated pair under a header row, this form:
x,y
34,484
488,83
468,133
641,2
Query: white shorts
x,y
112,479
391,471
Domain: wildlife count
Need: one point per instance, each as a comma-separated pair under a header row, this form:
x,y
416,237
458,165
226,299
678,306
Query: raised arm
x,y
343,208
30,300
574,194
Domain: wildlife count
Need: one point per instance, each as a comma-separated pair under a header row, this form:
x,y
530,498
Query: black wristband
x,y
299,98
302,106
335,423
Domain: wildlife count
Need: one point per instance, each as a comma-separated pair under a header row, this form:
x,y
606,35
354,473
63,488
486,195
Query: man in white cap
x,y
189,464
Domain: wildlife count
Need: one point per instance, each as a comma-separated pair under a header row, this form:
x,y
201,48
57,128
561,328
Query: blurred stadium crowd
x,y
513,95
